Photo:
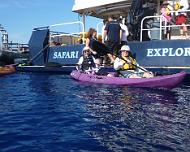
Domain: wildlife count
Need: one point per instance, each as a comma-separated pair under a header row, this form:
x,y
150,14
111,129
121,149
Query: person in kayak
x,y
87,62
127,66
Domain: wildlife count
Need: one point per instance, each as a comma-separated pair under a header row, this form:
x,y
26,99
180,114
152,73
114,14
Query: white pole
x,y
84,21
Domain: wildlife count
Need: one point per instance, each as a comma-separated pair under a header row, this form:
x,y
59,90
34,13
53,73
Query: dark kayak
x,y
166,81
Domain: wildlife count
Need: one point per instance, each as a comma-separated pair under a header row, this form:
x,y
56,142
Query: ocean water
x,y
54,113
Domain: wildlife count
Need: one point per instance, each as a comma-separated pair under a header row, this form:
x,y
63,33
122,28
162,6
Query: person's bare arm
x,y
120,35
105,34
93,52
87,42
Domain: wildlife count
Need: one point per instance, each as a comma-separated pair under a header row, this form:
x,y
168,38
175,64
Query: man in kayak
x,y
87,62
127,66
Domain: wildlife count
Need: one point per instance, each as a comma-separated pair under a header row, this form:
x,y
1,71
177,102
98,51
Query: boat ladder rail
x,y
160,27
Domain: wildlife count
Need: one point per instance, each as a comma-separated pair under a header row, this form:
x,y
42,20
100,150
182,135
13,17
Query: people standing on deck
x,y
166,15
113,32
104,39
125,32
127,66
87,62
181,6
98,49
91,37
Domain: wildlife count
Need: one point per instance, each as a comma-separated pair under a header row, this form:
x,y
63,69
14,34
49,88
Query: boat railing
x,y
18,48
98,26
161,26
60,38
158,28
99,30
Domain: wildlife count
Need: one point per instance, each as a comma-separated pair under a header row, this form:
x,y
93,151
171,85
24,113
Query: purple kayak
x,y
166,81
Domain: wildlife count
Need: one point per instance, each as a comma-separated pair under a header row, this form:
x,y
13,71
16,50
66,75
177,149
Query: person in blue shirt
x,y
113,32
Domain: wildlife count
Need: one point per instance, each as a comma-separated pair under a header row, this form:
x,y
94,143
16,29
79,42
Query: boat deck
x,y
53,70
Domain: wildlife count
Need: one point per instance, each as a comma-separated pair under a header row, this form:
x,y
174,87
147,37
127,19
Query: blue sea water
x,y
54,113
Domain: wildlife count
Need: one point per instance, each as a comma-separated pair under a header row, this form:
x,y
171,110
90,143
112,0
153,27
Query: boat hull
x,y
160,56
167,81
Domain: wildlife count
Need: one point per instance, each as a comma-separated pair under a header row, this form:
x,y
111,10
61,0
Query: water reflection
x,y
137,119
61,114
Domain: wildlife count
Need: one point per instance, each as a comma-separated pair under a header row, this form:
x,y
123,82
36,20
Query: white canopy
x,y
102,8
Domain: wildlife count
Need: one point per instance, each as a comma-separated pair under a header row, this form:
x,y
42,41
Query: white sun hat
x,y
85,48
125,48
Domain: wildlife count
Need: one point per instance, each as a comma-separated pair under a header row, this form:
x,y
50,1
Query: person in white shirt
x,y
87,62
103,28
125,32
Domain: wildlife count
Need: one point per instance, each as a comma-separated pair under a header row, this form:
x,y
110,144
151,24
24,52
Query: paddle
x,y
136,65
98,46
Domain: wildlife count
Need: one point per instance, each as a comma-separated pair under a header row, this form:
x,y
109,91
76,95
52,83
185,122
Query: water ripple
x,y
55,113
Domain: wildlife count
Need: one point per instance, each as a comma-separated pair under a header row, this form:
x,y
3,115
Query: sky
x,y
19,17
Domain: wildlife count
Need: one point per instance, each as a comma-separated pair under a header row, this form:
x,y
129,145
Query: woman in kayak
x,y
127,66
87,62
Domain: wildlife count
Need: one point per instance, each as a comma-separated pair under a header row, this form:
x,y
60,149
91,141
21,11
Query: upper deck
x,y
136,12
102,9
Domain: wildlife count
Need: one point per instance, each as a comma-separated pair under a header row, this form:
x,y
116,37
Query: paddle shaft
x,y
106,49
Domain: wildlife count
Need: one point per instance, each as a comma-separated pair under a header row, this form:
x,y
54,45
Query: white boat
x,y
147,43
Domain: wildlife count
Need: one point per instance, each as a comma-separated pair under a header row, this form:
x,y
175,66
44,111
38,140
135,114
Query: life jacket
x,y
165,12
88,63
181,5
177,5
128,66
168,10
